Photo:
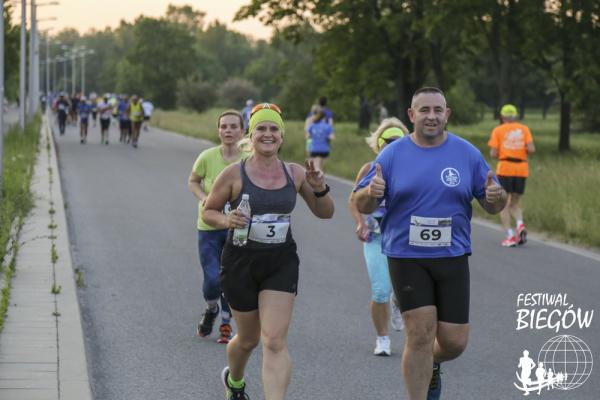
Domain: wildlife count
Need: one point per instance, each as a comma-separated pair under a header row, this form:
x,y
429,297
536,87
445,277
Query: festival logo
x,y
564,362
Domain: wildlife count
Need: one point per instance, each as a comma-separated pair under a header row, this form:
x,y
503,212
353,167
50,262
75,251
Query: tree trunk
x,y
565,123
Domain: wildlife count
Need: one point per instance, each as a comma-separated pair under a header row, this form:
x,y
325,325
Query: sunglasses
x,y
391,139
266,106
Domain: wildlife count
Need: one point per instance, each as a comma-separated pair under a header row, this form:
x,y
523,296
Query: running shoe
x,y
205,326
382,346
510,242
231,393
225,337
435,385
396,318
522,234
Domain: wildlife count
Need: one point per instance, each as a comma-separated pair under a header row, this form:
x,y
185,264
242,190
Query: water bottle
x,y
240,235
373,227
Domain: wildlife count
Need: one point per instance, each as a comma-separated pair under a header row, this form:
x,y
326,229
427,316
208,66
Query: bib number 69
x,y
430,234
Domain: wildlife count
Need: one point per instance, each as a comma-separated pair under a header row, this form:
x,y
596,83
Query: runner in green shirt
x,y
207,167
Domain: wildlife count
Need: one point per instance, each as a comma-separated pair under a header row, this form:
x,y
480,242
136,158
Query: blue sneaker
x,y
435,386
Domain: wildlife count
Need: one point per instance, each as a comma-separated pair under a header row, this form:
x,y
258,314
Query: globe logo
x,y
569,355
565,362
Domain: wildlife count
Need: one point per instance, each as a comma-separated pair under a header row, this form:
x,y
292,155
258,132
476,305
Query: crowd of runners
x,y
412,208
130,114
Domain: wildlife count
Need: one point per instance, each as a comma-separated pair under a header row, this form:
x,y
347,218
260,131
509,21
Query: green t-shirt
x,y
208,166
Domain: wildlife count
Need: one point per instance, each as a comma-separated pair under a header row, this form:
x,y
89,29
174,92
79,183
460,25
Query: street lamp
x,y
83,53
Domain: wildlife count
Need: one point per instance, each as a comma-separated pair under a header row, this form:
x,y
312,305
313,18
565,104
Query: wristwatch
x,y
324,192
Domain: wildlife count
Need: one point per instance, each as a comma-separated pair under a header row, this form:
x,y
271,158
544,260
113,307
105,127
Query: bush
x,y
465,108
195,94
235,91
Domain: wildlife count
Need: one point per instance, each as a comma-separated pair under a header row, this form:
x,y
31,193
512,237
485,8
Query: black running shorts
x,y
245,272
439,282
319,154
125,124
512,184
104,124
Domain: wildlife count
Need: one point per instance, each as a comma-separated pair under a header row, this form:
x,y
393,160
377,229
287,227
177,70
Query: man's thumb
x,y
378,171
490,179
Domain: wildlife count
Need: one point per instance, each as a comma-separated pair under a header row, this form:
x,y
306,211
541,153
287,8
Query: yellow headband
x,y
264,115
389,133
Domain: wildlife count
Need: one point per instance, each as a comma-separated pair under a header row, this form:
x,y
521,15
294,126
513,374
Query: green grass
x,y
562,193
20,151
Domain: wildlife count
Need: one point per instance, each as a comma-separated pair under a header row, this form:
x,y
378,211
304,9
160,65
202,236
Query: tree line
x,y
535,54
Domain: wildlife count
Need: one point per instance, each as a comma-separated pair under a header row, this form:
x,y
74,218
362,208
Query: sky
x,y
86,14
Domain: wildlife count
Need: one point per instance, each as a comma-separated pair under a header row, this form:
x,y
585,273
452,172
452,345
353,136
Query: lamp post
x,y
83,53
1,91
22,94
32,46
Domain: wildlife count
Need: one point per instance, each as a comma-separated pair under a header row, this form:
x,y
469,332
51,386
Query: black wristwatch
x,y
324,192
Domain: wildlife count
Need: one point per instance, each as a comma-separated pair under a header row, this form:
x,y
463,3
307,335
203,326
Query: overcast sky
x,y
86,14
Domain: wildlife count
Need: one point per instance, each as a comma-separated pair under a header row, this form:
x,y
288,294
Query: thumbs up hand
x,y
376,188
493,192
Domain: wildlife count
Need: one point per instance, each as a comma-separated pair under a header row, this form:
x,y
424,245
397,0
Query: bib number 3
x,y
269,228
430,232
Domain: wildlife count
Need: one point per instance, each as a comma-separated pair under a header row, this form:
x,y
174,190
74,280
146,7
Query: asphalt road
x,y
132,228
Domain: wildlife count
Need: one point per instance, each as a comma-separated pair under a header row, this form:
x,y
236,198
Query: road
x,y
132,229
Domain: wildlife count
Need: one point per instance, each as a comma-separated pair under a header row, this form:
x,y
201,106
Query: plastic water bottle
x,y
373,227
240,235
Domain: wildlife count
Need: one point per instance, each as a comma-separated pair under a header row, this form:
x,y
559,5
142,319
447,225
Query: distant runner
x,y
511,142
85,108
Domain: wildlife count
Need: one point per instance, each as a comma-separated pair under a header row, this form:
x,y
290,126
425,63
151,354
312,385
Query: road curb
x,y
72,369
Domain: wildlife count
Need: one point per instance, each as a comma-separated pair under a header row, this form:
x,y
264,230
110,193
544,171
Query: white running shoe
x,y
396,318
382,346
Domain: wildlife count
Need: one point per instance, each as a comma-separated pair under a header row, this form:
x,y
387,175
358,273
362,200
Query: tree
x,y
568,33
11,53
162,53
368,47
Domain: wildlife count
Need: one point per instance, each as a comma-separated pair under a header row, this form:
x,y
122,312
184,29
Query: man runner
x,y
511,142
426,234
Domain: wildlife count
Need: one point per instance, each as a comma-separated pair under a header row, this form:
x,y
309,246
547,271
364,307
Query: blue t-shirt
x,y
84,110
246,111
319,133
428,197
123,114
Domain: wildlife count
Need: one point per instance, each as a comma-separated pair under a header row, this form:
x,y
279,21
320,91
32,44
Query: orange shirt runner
x,y
511,139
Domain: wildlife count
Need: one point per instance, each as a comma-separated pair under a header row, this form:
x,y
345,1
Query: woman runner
x,y
260,279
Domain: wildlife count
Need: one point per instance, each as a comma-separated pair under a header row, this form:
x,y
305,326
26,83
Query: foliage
x,y
20,150
235,91
195,94
465,108
11,53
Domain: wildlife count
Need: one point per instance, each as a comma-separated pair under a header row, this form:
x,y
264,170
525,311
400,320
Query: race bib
x,y
430,232
269,228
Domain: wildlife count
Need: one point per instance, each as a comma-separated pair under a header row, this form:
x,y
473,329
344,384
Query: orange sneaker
x,y
509,242
225,337
522,234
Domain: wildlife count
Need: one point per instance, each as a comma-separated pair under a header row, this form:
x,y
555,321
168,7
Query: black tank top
x,y
266,201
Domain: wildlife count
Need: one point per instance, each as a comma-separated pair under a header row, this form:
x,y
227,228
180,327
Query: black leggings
x,y
439,282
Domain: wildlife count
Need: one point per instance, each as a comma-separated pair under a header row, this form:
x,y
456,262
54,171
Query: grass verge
x,y
561,194
20,151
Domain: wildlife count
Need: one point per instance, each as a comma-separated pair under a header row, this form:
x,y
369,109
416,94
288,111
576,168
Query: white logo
x,y
450,177
565,362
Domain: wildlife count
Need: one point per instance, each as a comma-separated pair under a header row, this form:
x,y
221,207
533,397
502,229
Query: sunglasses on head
x,y
266,106
391,139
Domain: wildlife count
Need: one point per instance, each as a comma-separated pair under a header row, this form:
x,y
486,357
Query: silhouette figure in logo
x,y
526,364
550,379
540,372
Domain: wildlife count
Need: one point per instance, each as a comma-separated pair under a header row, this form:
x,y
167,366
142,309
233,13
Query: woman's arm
x,y
222,192
312,181
361,228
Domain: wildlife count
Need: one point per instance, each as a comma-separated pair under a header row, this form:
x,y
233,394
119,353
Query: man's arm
x,y
495,196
